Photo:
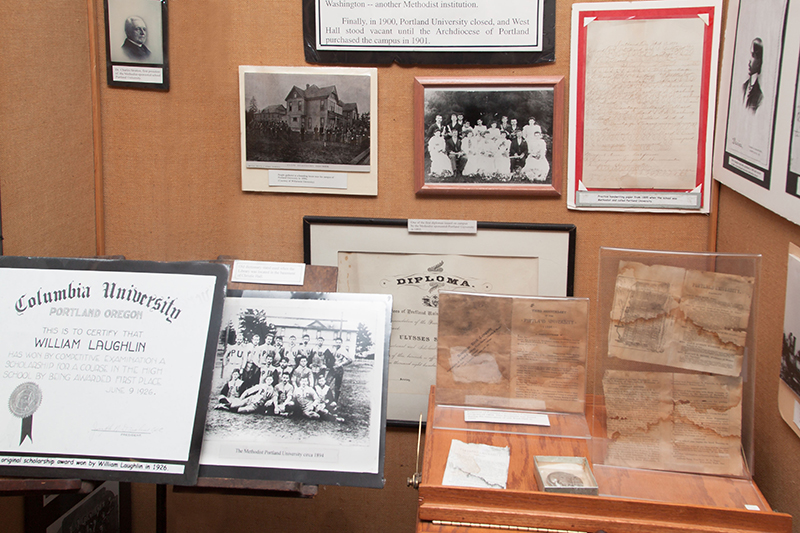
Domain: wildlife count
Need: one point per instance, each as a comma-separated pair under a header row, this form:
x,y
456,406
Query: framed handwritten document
x,y
457,32
383,256
641,105
757,147
106,367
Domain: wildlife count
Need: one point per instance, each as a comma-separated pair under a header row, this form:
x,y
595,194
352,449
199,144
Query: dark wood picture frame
x,y
517,99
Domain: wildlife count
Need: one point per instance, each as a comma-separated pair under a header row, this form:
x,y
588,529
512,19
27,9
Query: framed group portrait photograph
x,y
136,44
309,129
488,135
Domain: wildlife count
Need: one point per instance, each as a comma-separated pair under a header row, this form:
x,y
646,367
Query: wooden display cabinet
x,y
630,501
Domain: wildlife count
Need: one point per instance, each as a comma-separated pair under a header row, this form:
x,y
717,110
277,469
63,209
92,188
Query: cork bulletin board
x,y
168,187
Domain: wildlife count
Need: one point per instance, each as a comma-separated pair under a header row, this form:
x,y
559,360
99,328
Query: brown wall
x,y
746,227
46,152
172,191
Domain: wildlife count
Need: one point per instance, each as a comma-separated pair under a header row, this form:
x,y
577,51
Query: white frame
x,y
357,183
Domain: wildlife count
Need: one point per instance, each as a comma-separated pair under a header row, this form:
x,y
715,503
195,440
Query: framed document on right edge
x,y
758,139
641,100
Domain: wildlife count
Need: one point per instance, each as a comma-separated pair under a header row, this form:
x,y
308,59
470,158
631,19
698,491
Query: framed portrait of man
x,y
136,44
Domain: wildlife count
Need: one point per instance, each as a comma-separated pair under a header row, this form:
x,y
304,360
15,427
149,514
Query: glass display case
x,y
674,365
512,364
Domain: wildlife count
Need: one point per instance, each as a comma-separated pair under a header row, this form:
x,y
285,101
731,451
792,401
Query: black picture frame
x,y
315,56
111,464
509,239
130,63
362,420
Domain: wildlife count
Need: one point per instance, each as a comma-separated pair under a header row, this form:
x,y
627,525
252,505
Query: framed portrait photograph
x,y
383,256
136,44
756,147
299,389
753,90
309,129
488,135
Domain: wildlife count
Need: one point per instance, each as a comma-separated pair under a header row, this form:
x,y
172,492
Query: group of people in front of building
x,y
497,152
298,380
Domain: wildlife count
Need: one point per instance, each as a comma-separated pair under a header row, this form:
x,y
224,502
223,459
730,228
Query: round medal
x,y
25,400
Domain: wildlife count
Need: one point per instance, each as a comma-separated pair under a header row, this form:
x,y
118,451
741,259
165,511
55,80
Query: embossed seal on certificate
x,y
24,401
563,479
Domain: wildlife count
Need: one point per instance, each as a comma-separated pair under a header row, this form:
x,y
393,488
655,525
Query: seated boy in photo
x,y
283,400
256,399
306,398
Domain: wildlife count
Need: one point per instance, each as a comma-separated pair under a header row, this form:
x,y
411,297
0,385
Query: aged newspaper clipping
x,y
414,281
514,352
680,318
671,421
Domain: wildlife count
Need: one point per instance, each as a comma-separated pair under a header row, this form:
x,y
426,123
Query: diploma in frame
x,y
107,367
547,248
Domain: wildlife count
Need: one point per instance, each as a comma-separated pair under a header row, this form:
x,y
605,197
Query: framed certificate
x,y
106,367
382,255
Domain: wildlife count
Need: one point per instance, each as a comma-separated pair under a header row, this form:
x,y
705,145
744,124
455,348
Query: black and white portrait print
x,y
488,135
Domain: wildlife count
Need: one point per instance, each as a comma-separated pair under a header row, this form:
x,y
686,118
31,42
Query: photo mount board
x,y
309,476
764,165
172,458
